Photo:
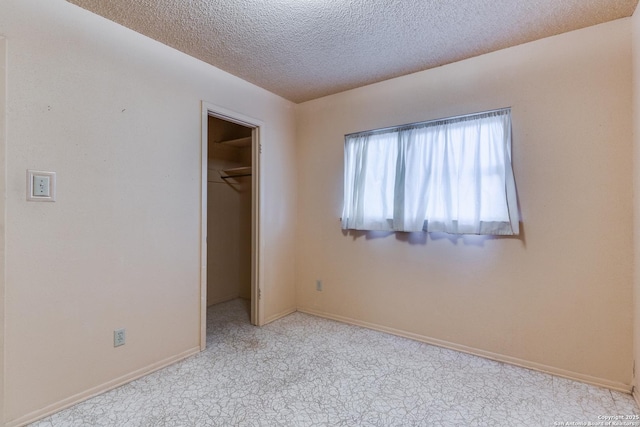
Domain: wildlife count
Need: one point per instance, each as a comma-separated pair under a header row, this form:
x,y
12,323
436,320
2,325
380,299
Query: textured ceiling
x,y
305,49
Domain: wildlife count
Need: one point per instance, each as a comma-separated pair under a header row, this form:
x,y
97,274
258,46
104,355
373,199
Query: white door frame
x,y
257,273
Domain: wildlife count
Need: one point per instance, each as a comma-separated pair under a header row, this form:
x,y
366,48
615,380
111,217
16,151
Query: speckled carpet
x,y
306,371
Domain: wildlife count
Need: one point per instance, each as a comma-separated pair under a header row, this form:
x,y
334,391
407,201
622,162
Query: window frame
x,y
492,135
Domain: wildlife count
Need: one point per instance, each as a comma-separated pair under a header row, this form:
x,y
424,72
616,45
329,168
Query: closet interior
x,y
229,199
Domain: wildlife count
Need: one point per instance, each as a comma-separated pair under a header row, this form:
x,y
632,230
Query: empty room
x,y
272,213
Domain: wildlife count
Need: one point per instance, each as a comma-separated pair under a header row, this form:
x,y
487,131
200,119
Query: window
x,y
451,175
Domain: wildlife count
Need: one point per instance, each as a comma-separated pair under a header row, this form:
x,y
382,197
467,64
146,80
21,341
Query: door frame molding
x,y
257,270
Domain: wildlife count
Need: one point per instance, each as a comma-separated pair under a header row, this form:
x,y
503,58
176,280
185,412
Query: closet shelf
x,y
235,172
239,142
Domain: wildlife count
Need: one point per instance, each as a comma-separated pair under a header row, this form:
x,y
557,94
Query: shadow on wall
x,y
421,238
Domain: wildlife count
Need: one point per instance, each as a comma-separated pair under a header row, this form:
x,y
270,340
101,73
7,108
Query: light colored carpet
x,y
306,371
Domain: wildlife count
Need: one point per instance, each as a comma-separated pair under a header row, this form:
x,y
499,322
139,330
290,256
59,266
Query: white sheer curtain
x,y
451,175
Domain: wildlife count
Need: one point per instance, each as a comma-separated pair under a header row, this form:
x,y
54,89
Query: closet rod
x,y
235,176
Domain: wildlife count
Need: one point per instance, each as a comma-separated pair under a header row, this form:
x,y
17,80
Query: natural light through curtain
x,y
451,175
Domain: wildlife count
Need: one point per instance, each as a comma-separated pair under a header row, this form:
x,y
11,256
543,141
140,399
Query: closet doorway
x,y
230,262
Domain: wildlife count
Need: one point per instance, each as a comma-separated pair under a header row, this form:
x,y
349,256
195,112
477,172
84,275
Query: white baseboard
x,y
280,315
94,391
222,299
600,382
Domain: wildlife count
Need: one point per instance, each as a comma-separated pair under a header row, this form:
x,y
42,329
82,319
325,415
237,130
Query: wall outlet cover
x,y
119,337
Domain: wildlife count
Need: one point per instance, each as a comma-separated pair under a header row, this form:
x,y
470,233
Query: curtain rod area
x,y
428,122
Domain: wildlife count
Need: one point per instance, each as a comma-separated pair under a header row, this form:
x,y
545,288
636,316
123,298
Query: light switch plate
x,y
41,186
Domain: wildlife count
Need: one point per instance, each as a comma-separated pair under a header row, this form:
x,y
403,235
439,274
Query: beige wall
x,y
635,22
223,247
559,297
244,239
118,117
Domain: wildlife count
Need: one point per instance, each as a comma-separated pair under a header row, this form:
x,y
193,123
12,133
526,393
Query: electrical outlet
x,y
319,285
119,337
